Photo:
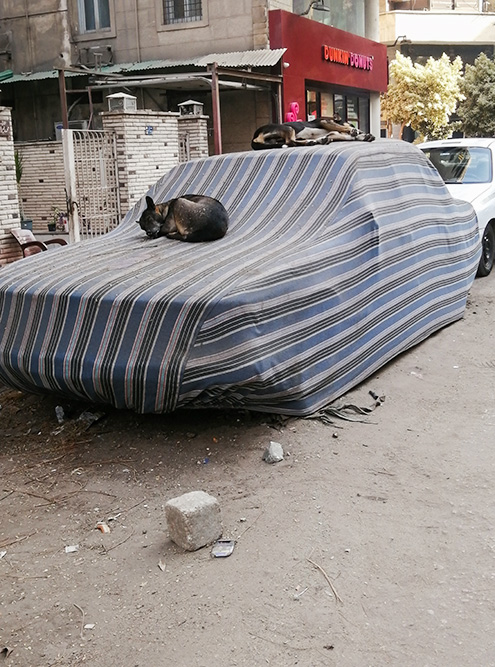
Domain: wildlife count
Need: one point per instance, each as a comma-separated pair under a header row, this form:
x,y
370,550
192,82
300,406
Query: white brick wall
x,y
9,202
143,156
197,129
43,182
147,147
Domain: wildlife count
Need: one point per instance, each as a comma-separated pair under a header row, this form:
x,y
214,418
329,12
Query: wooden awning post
x,y
215,99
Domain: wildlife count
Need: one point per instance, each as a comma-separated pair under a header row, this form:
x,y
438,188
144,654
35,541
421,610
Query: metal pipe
x,y
63,98
215,101
138,41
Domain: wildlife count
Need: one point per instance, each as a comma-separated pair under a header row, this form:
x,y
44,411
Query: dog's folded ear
x,y
150,203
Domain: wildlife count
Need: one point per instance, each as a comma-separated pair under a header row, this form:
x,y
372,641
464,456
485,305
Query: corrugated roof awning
x,y
6,74
237,59
41,76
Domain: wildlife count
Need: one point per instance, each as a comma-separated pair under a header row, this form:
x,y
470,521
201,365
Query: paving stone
x,y
193,520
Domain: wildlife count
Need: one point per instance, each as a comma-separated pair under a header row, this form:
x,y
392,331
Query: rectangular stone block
x,y
193,520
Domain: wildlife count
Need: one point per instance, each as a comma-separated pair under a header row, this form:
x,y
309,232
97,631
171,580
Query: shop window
x,y
340,106
182,11
312,104
352,109
364,114
326,104
94,15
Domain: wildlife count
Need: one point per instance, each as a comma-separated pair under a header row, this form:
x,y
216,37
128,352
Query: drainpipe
x,y
138,41
28,32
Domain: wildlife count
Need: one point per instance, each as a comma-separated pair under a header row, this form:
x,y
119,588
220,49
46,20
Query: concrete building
x,y
423,28
248,62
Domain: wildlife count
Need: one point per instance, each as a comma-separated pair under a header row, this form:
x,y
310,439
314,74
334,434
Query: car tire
x,y
487,252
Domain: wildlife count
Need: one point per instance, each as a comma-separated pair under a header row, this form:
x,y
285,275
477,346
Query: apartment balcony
x,y
455,22
481,6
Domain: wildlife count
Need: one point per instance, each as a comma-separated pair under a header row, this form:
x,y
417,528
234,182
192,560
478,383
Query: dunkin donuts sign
x,y
348,58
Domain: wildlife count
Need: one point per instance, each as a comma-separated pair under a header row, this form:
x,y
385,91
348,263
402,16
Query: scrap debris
x,y
329,581
103,527
222,548
347,411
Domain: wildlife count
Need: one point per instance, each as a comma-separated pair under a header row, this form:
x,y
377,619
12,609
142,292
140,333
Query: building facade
x,y
163,51
424,28
328,71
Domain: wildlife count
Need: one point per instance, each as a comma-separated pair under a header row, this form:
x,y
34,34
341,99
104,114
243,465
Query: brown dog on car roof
x,y
306,133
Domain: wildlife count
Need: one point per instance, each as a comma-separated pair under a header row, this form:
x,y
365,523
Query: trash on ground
x,y
60,414
296,596
90,418
161,565
222,548
89,626
273,453
2,554
71,548
103,527
6,651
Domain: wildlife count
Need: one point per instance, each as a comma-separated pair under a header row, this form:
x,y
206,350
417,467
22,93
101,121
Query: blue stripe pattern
x,y
337,259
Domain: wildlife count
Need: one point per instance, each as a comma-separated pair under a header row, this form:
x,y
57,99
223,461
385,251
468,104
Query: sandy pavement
x,y
370,544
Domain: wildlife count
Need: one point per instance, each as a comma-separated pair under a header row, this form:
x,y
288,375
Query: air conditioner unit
x,y
73,125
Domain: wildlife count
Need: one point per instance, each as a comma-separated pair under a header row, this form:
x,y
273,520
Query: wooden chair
x,y
28,243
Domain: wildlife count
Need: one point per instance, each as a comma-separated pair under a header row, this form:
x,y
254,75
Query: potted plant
x,y
26,223
59,222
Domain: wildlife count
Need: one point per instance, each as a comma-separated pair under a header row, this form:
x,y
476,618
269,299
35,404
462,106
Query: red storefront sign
x,y
347,58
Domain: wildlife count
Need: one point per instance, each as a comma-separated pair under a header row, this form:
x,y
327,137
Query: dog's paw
x,y
369,137
354,132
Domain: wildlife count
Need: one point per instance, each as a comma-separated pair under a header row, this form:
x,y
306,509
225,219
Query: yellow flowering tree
x,y
423,96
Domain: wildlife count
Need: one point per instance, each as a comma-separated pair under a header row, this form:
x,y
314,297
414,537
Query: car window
x,y
461,164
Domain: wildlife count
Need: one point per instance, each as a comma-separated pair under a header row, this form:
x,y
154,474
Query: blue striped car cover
x,y
337,259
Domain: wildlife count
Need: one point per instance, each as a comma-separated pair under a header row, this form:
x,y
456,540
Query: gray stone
x,y
273,453
193,520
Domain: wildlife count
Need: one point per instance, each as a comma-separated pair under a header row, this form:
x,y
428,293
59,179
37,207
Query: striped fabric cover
x,y
337,259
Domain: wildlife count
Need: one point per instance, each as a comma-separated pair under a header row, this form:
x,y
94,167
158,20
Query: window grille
x,y
182,11
184,148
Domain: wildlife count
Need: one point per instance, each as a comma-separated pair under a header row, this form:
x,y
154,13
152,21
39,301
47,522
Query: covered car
x,y
337,258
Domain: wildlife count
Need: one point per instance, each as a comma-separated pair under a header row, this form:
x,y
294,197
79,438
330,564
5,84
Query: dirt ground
x,y
370,544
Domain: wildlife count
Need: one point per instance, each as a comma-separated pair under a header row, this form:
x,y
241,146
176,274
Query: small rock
x,y
60,414
89,418
273,453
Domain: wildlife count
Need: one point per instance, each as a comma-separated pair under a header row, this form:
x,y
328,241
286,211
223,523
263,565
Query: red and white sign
x,y
348,58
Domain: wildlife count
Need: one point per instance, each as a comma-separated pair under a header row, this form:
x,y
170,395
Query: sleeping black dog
x,y
306,133
191,218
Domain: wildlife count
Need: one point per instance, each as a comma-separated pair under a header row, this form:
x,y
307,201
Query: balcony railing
x,y
483,6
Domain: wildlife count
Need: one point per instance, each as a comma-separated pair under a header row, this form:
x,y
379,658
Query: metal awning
x,y
187,81
239,70
238,59
6,74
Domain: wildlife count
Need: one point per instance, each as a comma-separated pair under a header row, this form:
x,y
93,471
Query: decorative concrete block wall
x,y
148,146
9,202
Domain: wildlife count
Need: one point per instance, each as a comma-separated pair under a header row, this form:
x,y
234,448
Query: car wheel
x,y
487,252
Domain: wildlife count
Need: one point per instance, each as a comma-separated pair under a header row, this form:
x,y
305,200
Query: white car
x,y
468,168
